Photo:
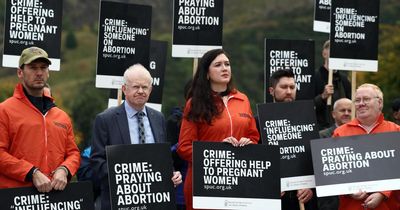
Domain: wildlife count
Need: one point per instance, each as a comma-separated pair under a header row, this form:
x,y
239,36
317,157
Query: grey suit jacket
x,y
111,128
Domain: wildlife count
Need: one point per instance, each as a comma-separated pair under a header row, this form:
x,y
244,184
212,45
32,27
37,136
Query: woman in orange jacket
x,y
216,111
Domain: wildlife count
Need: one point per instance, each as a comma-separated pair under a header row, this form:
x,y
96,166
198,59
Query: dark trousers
x,y
180,207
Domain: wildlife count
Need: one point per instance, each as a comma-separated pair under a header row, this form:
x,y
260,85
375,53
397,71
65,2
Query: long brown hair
x,y
203,105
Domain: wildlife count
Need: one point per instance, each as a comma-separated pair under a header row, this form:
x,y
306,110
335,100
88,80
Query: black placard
x,y
158,55
124,40
290,126
297,55
322,12
140,176
32,23
227,177
347,165
76,195
354,35
197,27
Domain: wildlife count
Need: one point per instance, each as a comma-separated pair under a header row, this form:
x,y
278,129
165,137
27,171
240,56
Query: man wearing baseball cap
x,y
31,54
37,144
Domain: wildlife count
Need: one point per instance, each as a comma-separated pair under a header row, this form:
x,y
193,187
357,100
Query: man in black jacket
x,y
340,88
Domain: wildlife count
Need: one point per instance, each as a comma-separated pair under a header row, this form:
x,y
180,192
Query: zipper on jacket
x,y
227,110
368,132
45,139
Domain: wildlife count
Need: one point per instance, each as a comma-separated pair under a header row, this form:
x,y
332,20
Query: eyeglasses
x,y
366,100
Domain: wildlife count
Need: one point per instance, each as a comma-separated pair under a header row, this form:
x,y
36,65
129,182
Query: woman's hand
x,y
232,140
244,141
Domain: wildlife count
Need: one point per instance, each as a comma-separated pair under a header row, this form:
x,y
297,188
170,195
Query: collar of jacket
x,y
233,94
356,122
19,93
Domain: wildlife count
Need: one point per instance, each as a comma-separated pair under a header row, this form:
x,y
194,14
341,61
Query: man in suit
x,y
122,125
341,113
340,88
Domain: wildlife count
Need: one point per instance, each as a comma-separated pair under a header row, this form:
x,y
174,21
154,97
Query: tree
x,y
89,102
388,75
70,42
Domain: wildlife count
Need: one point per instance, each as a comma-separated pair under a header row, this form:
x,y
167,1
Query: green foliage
x,y
70,42
7,89
388,75
178,72
86,105
389,12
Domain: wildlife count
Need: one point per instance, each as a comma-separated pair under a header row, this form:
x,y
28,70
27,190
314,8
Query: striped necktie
x,y
142,136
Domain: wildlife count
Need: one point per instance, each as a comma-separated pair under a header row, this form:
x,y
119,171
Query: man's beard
x,y
285,99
